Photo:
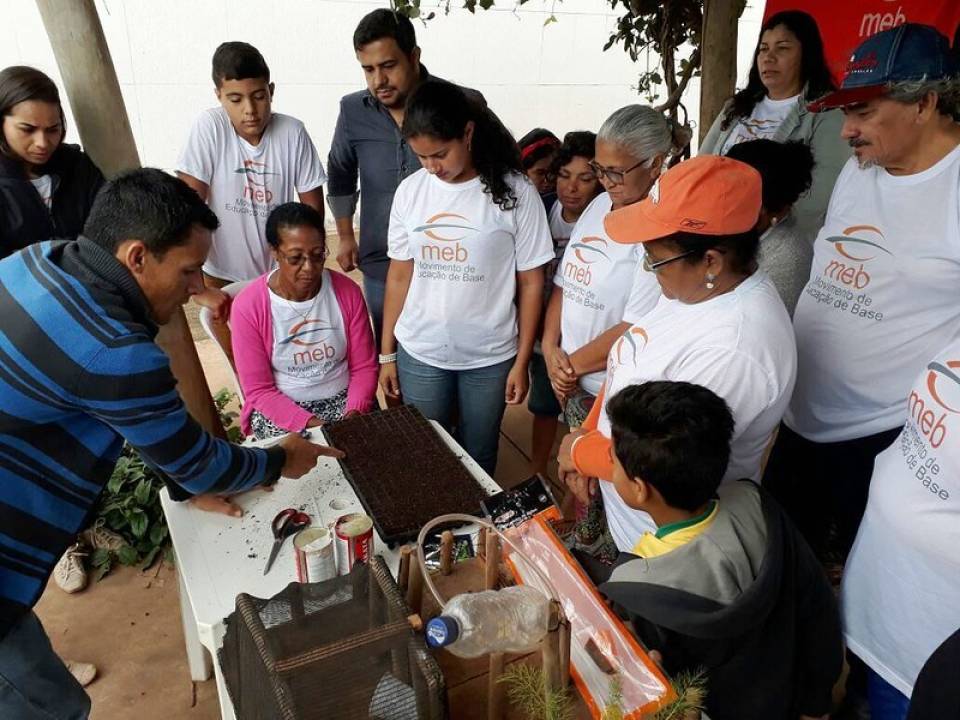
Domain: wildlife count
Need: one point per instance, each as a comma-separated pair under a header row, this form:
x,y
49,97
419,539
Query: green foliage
x,y
130,505
229,418
691,688
613,705
526,691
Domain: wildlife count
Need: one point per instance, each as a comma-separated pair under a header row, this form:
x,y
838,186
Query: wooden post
x,y
495,688
550,651
719,70
415,587
446,552
90,80
564,651
403,573
491,568
491,577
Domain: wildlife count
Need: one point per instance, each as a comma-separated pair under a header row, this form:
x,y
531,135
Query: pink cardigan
x,y
251,325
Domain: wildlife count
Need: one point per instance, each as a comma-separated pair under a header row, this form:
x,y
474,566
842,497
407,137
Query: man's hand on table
x,y
302,456
217,504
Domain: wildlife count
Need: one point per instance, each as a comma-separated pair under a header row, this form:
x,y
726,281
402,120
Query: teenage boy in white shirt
x,y
244,160
882,294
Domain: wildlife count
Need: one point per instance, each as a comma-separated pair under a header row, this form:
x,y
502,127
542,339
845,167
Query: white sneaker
x,y
83,672
70,574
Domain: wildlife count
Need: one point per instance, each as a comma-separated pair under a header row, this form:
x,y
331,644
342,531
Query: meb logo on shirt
x,y
943,383
256,174
445,228
856,246
588,250
630,345
312,335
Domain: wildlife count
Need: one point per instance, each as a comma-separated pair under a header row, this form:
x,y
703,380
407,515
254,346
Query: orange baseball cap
x,y
706,195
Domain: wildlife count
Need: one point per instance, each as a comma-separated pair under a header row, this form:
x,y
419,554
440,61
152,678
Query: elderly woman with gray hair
x,y
593,283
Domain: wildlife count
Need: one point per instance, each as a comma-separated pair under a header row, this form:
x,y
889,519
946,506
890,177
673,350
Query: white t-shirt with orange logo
x,y
246,182
460,312
882,296
596,275
309,345
740,345
901,585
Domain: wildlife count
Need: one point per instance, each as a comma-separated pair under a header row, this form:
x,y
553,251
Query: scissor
x,y
286,523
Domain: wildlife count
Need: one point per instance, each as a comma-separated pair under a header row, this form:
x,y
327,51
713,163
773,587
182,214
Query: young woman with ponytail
x,y
467,243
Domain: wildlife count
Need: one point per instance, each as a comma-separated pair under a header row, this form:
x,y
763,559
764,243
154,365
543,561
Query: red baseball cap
x,y
706,195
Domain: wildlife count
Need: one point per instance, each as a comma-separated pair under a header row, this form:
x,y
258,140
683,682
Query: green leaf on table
x,y
100,556
103,569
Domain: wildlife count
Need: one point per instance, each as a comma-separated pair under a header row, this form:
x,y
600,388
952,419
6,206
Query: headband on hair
x,y
542,142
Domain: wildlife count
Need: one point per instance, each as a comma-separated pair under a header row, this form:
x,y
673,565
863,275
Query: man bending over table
x,y
79,374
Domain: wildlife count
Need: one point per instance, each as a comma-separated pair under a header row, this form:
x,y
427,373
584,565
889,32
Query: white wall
x,y
554,76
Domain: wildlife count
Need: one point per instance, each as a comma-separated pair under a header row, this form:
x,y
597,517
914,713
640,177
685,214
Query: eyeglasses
x,y
316,259
616,177
655,266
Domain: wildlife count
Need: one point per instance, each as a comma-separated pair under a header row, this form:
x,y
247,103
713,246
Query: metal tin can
x,y
313,549
353,540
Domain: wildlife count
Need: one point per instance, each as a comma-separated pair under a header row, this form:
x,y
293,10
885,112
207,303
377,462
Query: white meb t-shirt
x,y
246,182
739,345
460,313
767,117
901,585
595,275
309,345
882,296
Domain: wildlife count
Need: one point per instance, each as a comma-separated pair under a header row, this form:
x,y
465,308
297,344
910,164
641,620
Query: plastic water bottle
x,y
512,619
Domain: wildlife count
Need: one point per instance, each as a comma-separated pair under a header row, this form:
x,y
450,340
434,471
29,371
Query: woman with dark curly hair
x,y
785,254
789,71
467,243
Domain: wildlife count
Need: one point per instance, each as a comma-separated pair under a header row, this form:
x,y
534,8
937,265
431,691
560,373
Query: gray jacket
x,y
786,255
821,131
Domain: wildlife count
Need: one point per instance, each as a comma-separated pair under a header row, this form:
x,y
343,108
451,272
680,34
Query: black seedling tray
x,y
402,471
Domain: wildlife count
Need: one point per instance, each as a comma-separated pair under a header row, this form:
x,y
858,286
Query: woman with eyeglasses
x,y
789,71
301,335
593,280
719,323
467,243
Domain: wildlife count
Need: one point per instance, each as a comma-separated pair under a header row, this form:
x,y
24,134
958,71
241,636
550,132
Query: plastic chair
x,y
206,322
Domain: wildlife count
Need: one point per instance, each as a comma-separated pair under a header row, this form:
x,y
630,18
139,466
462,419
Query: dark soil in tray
x,y
402,471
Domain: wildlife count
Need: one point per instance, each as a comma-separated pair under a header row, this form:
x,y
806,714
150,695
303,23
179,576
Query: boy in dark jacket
x,y
726,583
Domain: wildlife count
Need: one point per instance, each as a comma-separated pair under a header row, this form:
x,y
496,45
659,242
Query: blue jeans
x,y
477,394
886,702
34,682
374,291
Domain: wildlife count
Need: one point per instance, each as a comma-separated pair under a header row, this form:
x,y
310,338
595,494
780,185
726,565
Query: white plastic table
x,y
219,557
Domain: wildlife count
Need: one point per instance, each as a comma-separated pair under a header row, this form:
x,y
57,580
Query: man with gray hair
x,y
883,289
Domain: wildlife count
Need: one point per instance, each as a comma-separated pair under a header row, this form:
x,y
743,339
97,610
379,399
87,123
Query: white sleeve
x,y
534,244
199,156
398,241
310,174
644,292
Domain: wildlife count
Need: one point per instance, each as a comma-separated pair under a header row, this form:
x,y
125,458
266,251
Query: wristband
x,y
385,359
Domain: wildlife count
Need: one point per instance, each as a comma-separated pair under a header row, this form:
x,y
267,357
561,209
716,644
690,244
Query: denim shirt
x,y
367,146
